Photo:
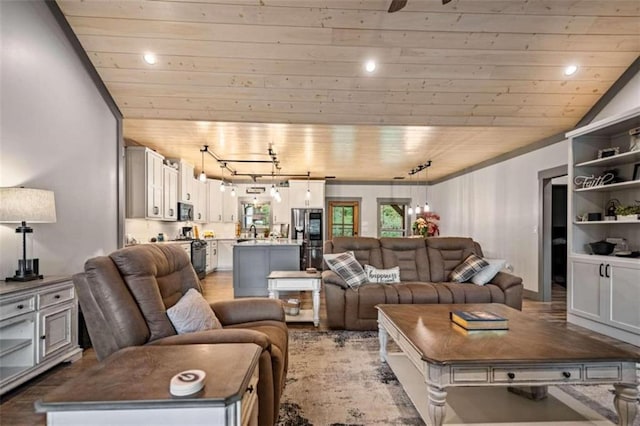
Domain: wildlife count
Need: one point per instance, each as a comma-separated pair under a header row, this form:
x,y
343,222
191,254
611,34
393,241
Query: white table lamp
x,y
22,205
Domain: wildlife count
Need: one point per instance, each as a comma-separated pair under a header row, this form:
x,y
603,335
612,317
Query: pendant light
x,y
308,189
222,188
410,195
426,188
233,187
203,175
272,191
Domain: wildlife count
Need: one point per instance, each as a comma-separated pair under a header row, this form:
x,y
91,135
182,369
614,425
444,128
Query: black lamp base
x,y
24,278
28,270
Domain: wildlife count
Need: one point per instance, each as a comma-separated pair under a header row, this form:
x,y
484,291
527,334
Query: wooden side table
x,y
297,281
132,387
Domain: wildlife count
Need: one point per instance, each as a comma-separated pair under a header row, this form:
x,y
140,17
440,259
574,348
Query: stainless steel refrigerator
x,y
306,226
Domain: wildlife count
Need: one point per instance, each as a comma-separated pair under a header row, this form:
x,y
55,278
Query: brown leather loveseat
x,y
425,265
124,298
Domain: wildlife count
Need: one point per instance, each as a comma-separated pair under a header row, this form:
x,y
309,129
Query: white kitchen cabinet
x,y
200,201
225,254
229,206
604,291
38,328
214,201
186,187
281,211
170,199
298,194
144,183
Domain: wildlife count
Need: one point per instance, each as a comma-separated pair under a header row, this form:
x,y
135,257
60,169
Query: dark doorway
x,y
559,234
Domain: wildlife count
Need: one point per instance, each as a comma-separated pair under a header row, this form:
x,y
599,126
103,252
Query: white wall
x,y
57,133
626,99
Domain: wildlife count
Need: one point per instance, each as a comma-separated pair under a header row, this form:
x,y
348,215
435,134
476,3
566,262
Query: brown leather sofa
x,y
424,265
124,298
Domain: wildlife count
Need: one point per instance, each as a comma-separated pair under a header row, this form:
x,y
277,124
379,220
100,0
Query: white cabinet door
x,y
214,201
185,181
300,198
225,254
280,210
155,190
200,201
170,199
56,329
585,288
625,296
229,206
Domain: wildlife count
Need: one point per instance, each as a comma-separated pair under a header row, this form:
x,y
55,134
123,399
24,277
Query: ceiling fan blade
x,y
396,5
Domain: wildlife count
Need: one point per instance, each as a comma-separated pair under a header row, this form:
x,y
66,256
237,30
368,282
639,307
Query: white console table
x,y
38,328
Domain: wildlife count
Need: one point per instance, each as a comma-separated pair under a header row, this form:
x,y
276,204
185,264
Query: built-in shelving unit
x,y
603,292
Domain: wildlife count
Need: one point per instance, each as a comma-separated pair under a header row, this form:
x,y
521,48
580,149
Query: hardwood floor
x,y
16,407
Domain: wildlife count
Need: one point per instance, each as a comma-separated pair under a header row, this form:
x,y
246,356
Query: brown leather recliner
x,y
124,298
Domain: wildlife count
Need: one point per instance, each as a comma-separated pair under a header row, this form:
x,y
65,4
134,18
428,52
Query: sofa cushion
x,y
488,272
445,253
345,265
192,313
375,275
410,254
467,269
366,250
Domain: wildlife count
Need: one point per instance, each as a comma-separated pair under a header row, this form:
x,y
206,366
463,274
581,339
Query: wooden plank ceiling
x,y
457,84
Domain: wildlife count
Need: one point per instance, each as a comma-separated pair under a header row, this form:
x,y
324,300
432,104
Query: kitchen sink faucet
x,y
255,231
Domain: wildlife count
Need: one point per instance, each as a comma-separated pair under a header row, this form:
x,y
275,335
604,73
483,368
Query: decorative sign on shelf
x,y
593,181
608,152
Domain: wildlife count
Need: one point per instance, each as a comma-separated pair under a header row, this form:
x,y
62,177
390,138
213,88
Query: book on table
x,y
479,320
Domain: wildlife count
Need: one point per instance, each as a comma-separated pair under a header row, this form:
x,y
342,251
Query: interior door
x,y
344,219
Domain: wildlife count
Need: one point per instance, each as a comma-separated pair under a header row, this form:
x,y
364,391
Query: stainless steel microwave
x,y
185,212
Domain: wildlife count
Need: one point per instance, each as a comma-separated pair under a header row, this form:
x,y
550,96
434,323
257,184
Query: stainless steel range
x,y
199,257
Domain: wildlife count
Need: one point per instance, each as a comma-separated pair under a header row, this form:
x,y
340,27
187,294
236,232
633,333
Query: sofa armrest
x,y
239,311
216,336
330,277
505,280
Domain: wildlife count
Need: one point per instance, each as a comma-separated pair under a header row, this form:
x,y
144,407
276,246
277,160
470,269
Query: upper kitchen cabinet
x,y
281,210
144,183
186,182
200,201
300,198
229,206
170,199
214,200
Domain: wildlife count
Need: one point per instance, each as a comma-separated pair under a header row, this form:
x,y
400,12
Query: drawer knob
x,y
20,306
43,337
57,296
511,375
250,389
566,374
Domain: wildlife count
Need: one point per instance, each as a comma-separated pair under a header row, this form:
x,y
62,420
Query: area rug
x,y
336,378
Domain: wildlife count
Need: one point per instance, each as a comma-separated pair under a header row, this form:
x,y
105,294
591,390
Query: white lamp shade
x,y
27,205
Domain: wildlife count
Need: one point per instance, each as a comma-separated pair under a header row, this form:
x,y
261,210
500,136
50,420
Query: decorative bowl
x,y
602,248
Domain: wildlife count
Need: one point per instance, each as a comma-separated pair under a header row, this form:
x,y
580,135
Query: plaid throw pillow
x,y
348,268
467,269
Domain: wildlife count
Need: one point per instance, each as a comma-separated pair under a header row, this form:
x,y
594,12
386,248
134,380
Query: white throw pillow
x,y
375,275
487,273
192,313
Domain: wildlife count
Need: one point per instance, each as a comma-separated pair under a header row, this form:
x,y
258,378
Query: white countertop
x,y
269,242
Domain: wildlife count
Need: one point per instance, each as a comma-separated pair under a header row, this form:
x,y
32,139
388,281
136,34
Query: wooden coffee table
x,y
531,353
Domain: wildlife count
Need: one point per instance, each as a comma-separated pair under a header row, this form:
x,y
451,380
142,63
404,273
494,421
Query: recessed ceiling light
x,y
570,70
150,58
370,66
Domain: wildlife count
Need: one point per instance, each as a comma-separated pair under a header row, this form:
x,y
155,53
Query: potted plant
x,y
627,213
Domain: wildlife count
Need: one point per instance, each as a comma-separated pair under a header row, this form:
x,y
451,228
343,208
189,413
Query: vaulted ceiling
x,y
457,84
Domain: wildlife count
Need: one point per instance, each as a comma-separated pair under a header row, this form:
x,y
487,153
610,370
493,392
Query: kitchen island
x,y
253,261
